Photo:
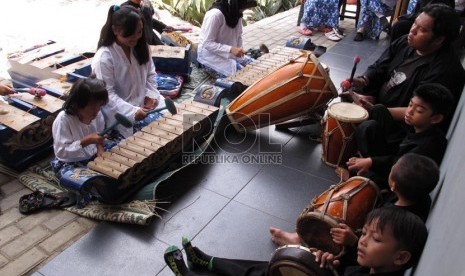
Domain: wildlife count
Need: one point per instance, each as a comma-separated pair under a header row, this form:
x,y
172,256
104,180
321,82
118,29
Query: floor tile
x,y
110,249
186,215
305,155
225,171
281,191
248,233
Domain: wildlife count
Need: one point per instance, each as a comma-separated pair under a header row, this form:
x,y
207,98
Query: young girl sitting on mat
x,y
220,43
75,130
123,61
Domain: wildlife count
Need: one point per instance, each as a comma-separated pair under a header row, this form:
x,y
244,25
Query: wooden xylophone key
x,y
151,138
135,148
119,158
128,154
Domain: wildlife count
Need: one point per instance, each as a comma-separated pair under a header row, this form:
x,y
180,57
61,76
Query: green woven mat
x,y
197,78
138,211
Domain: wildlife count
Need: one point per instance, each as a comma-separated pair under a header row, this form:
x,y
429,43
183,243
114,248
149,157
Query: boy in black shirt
x,y
428,107
392,241
412,178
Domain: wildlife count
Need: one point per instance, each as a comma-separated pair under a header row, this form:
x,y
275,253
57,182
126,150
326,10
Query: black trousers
x,y
380,135
230,267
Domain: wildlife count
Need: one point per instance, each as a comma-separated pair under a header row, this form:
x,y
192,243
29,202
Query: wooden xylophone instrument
x,y
235,84
47,61
26,124
265,64
135,161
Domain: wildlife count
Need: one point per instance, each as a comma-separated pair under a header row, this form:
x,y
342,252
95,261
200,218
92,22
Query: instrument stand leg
x,y
307,119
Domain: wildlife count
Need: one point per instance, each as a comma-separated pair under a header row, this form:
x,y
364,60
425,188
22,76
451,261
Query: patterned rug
x,y
141,209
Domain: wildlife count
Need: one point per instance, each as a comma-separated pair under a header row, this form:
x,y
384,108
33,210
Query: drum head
x,y
347,112
313,230
294,260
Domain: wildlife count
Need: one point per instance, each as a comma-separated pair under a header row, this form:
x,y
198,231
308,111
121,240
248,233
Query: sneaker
x,y
174,260
338,32
332,36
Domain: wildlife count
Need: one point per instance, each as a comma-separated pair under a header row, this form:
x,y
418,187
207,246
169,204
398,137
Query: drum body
x,y
299,87
296,260
348,202
338,139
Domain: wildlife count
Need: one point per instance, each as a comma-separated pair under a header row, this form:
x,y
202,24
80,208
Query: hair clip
x,y
115,7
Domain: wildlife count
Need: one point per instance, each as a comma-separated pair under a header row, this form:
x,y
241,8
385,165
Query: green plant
x,y
192,11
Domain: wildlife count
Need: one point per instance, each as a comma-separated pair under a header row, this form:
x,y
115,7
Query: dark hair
x,y
125,18
446,21
437,96
83,92
408,229
415,176
231,9
423,3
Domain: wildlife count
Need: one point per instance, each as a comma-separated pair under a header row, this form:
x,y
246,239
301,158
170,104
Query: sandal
x,y
305,31
38,200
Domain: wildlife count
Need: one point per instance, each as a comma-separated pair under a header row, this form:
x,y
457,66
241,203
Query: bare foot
x,y
281,237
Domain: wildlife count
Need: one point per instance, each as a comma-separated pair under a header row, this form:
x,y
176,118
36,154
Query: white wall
x,y
444,253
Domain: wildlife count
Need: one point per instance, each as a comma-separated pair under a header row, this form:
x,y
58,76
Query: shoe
x,y
305,31
174,260
38,200
338,32
332,36
196,259
359,36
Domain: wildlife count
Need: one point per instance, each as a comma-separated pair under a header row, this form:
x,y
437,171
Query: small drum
x,y
299,87
296,260
338,139
348,202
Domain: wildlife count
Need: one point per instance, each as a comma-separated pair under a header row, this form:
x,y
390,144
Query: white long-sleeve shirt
x,y
215,43
67,133
127,83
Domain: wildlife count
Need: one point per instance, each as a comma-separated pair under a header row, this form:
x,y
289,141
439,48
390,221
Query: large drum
x,y
338,139
299,87
296,260
348,202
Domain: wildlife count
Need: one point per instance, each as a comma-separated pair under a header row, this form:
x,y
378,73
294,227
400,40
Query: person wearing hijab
x,y
220,44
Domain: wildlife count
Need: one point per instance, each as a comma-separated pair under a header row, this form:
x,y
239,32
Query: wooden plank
x,y
15,118
48,102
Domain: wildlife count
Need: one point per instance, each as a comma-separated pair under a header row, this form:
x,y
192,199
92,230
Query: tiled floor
x,y
225,208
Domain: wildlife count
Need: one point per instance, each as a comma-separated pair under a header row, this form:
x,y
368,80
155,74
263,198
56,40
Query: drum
x,y
296,260
348,202
298,87
338,139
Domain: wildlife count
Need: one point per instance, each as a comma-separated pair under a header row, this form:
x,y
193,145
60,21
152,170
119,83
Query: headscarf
x,y
231,9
